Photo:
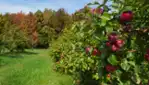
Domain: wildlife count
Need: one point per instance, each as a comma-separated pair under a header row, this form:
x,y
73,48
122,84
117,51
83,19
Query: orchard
x,y
111,47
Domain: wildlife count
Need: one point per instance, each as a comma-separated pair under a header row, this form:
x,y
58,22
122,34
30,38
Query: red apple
x,y
87,49
126,16
112,37
96,52
114,48
119,43
110,68
108,44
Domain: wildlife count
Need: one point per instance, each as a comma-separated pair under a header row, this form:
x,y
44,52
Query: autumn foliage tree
x,y
34,29
12,38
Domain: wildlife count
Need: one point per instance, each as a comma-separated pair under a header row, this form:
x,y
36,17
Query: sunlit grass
x,y
33,67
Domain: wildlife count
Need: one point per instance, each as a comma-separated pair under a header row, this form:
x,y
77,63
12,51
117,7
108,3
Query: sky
x,y
26,6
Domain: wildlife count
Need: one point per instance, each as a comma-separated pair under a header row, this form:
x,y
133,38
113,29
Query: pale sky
x,y
26,6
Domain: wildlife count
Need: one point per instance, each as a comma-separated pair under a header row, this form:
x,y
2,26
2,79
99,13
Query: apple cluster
x,y
114,43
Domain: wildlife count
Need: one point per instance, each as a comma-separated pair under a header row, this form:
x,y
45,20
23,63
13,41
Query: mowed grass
x,y
33,67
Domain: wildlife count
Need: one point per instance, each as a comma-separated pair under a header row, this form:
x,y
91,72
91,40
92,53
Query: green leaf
x,y
85,66
90,60
109,29
113,60
106,16
125,65
73,46
104,83
127,8
89,4
127,83
138,80
95,76
81,34
103,22
105,1
118,73
130,56
96,2
98,38
132,63
114,5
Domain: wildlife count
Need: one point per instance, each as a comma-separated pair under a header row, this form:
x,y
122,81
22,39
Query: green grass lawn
x,y
33,67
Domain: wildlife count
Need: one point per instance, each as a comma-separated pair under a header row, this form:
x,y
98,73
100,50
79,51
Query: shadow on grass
x,y
18,54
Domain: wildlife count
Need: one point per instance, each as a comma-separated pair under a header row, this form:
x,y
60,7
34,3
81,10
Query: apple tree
x,y
110,48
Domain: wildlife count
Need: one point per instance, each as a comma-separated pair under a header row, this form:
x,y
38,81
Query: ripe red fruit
x,y
119,43
126,16
114,48
147,57
96,52
110,68
87,49
112,37
108,44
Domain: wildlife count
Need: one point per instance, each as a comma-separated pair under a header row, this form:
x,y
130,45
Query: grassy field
x,y
33,67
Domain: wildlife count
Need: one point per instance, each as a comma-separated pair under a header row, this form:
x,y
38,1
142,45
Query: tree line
x,y
19,31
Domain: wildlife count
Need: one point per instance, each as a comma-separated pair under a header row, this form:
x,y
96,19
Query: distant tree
x,y
37,29
44,27
30,23
27,23
18,19
12,38
63,18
